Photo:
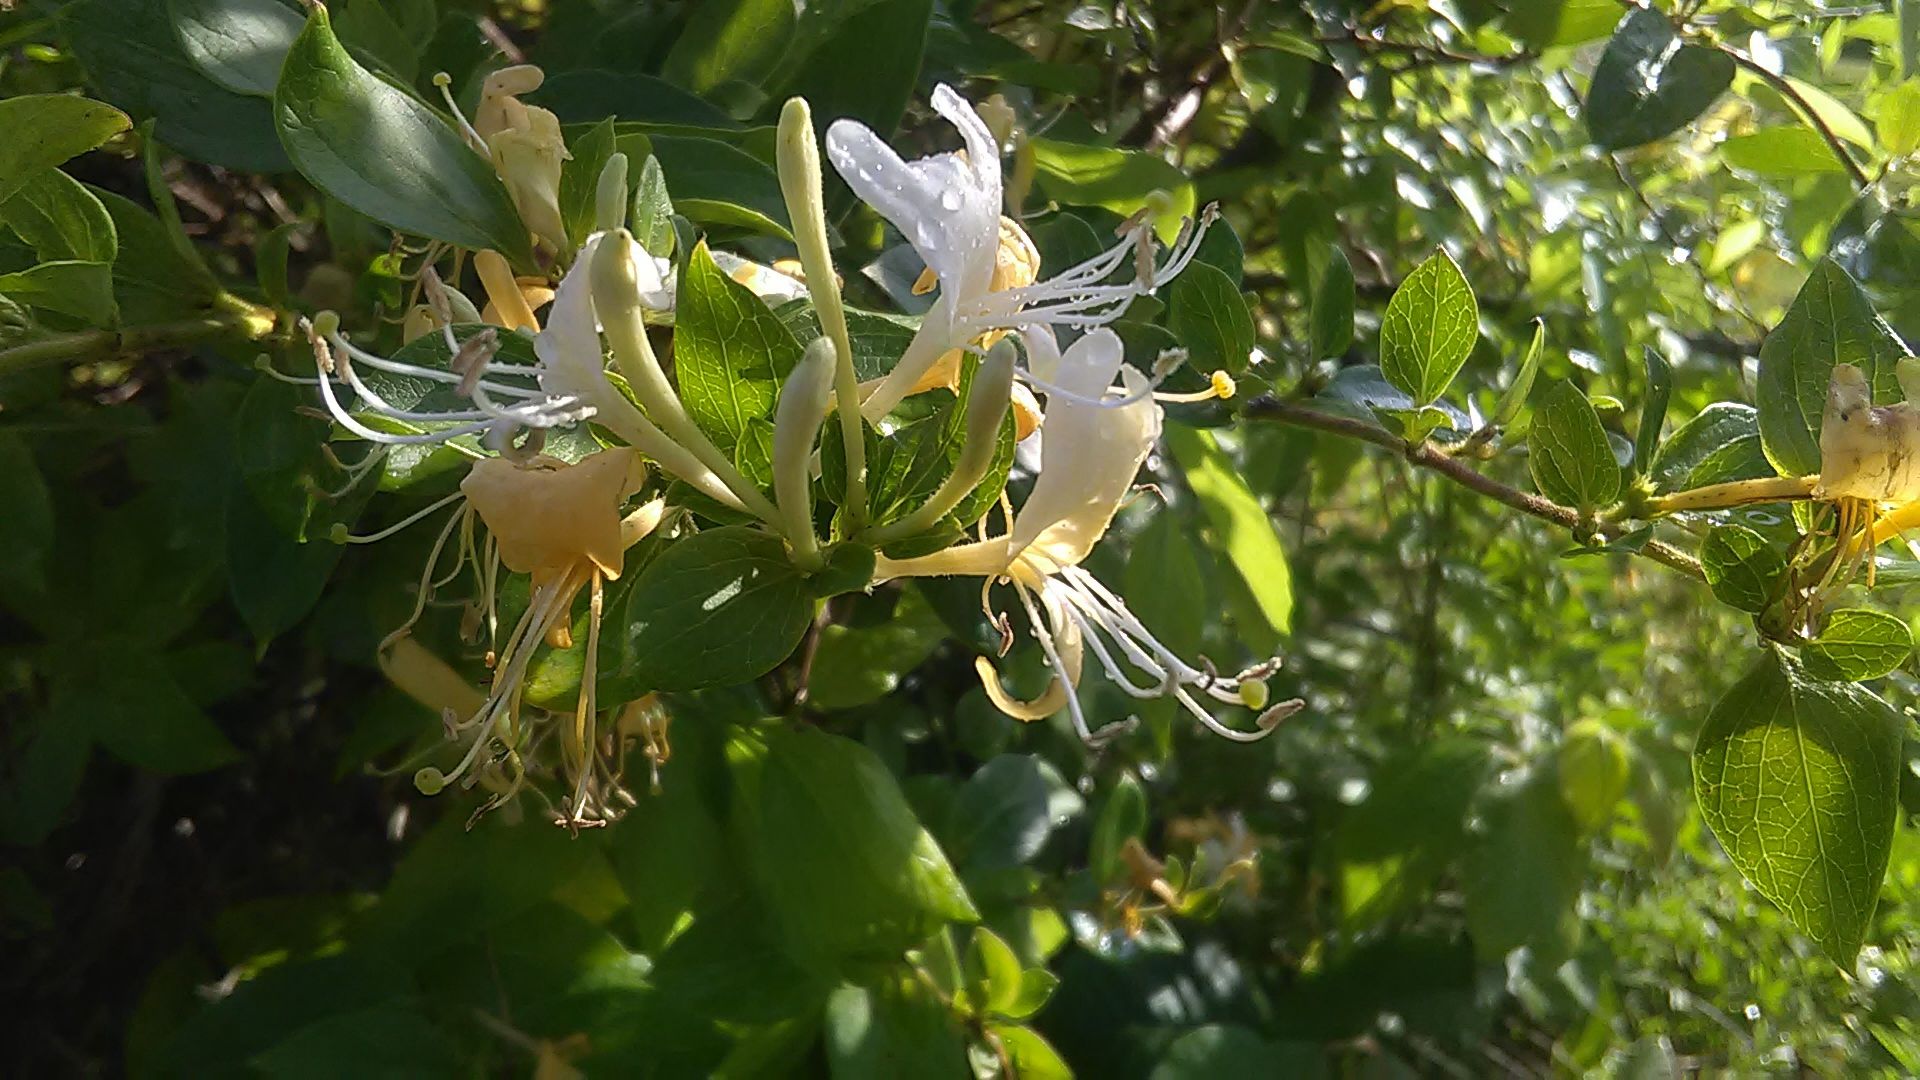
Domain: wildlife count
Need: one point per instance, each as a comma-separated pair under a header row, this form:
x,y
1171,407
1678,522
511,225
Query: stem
x,y
1787,90
251,325
1731,494
1426,457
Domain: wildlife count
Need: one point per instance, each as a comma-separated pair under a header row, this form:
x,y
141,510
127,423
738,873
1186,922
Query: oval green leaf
x,y
1858,643
44,130
1572,461
1830,322
1649,85
1429,329
1743,570
1799,781
718,608
383,153
1210,317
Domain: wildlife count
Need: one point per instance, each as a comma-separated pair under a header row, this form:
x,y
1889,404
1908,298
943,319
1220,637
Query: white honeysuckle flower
x,y
948,207
1096,436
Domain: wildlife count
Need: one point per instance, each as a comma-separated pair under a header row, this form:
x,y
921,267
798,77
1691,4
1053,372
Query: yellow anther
x,y
1223,385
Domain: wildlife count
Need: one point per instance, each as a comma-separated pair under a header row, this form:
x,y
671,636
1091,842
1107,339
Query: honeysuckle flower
x,y
526,147
565,526
948,206
1096,437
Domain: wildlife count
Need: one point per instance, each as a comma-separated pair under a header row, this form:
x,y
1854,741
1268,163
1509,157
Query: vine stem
x,y
1731,494
242,320
1430,458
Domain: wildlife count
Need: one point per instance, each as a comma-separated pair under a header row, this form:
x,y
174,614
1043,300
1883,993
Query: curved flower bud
x,y
796,427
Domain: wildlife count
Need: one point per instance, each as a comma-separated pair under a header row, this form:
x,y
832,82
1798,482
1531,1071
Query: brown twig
x,y
1427,457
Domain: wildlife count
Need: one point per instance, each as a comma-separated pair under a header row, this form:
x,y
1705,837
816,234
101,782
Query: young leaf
x,y
44,130
652,220
1799,780
1572,461
1429,329
1831,322
1593,770
1210,317
1521,388
1653,412
1333,307
1243,528
731,354
1648,84
720,607
1857,644
385,154
1742,568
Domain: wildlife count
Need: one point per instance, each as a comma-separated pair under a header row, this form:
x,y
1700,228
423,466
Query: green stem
x,y
249,325
1427,457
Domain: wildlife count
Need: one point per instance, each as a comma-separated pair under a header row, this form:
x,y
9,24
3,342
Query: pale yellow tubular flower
x,y
1867,451
507,303
1097,436
527,149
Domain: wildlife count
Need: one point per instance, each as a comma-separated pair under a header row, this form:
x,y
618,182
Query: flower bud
x,y
796,427
610,195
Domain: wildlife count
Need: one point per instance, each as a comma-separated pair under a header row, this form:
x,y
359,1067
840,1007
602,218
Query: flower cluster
x,y
567,525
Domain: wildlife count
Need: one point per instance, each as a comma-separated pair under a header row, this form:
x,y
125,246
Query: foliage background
x,y
1477,848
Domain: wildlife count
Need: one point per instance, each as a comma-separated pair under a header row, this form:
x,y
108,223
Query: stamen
x,y
445,82
403,523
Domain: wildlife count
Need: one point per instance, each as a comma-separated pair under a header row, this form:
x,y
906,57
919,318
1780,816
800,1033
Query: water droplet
x,y
950,200
1752,1011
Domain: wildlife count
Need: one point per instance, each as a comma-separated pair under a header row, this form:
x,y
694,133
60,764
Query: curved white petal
x,y
1090,454
569,345
946,205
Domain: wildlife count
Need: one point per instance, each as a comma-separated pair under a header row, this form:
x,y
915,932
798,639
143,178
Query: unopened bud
x,y
610,195
429,781
796,426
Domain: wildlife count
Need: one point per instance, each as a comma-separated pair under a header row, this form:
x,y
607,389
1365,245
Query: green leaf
x,y
993,973
1412,824
1239,522
1649,84
1032,1056
1429,329
652,220
83,290
152,281
1743,570
847,76
1830,322
1593,768
26,525
722,185
1830,111
1209,316
1653,411
383,153
731,41
1898,118
1001,817
133,56
1858,644
580,179
1120,180
1572,461
1521,388
844,868
856,665
731,354
44,130
1522,877
1782,151
136,710
239,44
1213,1050
366,28
61,219
1799,781
386,1040
718,608
893,1030
1123,817
1333,307
1721,442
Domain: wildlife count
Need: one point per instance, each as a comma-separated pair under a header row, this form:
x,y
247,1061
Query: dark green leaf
x,y
1333,307
840,861
731,354
1653,412
1858,644
587,97
1123,817
1743,570
1000,817
1410,827
383,153
1572,461
717,608
239,44
44,130
26,525
137,712
847,76
722,185
1721,442
580,179
1215,1050
1209,316
856,665
1799,781
731,41
893,1030
1522,877
1649,84
132,54
1429,329
1831,322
